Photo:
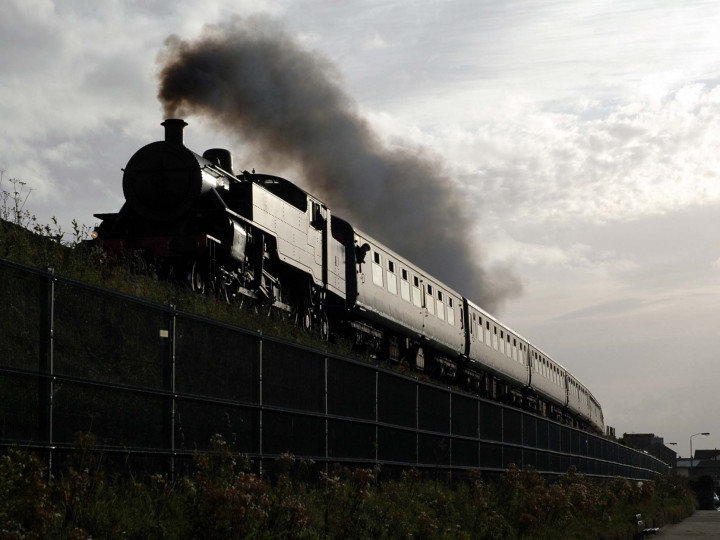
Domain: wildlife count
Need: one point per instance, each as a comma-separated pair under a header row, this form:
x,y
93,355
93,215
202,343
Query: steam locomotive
x,y
261,237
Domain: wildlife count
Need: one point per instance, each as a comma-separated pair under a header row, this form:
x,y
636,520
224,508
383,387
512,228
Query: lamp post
x,y
691,450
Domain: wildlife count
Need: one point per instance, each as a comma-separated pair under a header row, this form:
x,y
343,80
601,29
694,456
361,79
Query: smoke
x,y
252,80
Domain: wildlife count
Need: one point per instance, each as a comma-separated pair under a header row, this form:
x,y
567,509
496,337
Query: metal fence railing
x,y
154,384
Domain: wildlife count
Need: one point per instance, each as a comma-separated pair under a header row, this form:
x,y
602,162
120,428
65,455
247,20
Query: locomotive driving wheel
x,y
197,278
324,327
307,318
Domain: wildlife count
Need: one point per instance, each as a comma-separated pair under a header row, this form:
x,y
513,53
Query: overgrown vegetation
x,y
222,498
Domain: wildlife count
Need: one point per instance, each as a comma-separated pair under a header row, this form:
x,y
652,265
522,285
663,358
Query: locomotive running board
x,y
252,294
366,329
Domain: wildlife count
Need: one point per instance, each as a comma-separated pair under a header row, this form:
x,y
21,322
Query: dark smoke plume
x,y
255,82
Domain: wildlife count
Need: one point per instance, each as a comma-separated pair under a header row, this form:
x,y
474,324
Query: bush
x,y
223,498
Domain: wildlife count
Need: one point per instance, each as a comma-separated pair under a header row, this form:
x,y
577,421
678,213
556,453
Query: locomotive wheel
x,y
324,327
307,318
197,279
419,358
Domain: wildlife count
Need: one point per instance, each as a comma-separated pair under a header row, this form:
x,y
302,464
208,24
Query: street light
x,y
691,450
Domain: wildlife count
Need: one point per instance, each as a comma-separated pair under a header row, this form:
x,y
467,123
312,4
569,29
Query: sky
x,y
583,138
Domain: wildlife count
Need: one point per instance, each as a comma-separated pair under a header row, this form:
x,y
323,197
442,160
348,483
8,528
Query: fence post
x,y
46,366
327,422
377,415
260,399
169,358
450,428
417,423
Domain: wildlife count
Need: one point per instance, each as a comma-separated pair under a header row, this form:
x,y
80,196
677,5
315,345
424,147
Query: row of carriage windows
x,y
503,341
413,290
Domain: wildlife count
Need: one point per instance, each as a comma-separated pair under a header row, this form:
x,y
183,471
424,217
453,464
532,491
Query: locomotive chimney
x,y
174,130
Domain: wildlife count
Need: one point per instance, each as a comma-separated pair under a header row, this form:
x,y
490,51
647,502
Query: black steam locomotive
x,y
260,236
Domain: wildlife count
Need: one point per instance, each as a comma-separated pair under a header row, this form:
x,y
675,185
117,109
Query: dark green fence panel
x,y
397,400
433,450
197,422
491,455
300,435
491,421
114,340
115,417
512,426
464,416
397,445
433,409
512,456
351,440
20,407
465,453
529,428
292,377
215,361
351,389
24,298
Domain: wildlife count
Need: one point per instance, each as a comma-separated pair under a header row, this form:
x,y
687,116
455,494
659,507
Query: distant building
x,y
655,446
704,462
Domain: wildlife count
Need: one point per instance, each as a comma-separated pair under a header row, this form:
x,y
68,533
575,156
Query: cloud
x,y
376,41
601,163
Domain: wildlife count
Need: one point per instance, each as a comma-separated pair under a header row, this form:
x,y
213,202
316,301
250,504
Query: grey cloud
x,y
28,41
606,309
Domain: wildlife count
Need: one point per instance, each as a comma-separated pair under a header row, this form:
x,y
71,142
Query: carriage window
x,y
377,274
391,278
416,293
404,285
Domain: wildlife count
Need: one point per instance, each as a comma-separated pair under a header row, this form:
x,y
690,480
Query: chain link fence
x,y
154,384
